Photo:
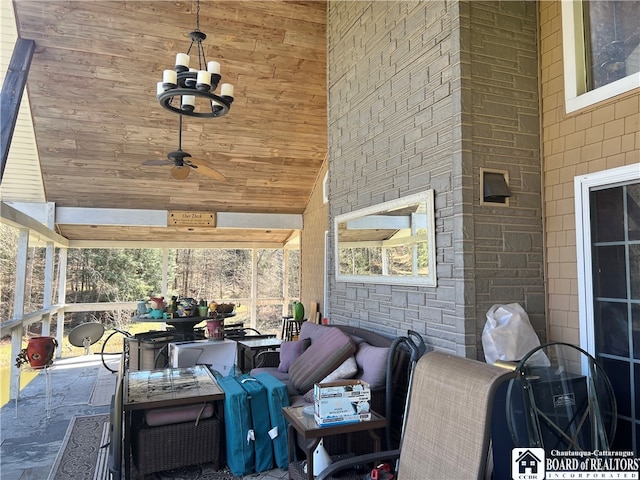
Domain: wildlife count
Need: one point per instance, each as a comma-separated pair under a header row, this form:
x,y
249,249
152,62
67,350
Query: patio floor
x,y
31,434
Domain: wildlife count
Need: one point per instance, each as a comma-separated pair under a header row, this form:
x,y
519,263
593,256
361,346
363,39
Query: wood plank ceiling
x,y
92,88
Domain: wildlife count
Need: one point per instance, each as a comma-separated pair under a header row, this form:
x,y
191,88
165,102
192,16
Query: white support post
x,y
62,295
165,272
285,283
18,308
254,288
48,287
48,271
165,278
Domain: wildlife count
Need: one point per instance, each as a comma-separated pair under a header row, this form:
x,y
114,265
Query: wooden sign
x,y
191,219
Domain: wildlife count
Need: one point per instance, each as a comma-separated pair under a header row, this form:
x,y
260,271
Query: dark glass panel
x,y
607,215
622,441
618,373
611,39
611,328
635,326
633,211
634,270
609,272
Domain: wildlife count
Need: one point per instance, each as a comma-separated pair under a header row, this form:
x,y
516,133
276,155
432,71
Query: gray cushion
x,y
373,363
184,413
323,356
312,330
290,351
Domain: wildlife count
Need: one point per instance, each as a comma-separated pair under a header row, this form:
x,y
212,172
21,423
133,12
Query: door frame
x,y
582,187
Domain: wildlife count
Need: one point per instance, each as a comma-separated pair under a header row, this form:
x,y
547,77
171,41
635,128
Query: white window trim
x,y
325,188
575,81
582,187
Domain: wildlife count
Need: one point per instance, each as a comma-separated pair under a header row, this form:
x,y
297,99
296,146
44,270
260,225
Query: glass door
x,y
610,303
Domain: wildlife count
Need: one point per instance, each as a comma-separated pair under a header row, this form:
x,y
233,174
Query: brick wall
x,y
421,95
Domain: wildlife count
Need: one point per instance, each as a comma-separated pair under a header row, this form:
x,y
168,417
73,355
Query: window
x,y
601,46
392,242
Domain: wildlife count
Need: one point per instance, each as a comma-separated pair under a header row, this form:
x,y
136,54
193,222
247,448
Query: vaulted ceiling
x,y
92,93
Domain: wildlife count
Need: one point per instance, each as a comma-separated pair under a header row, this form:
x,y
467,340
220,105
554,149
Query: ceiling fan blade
x,y
151,163
205,168
180,173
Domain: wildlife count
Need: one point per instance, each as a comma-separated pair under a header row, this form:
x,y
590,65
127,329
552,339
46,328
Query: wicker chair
x,y
448,423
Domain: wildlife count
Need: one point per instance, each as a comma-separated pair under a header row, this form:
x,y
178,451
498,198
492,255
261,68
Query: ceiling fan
x,y
183,163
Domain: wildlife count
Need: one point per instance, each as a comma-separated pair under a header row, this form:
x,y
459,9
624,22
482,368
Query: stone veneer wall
x,y
507,242
421,95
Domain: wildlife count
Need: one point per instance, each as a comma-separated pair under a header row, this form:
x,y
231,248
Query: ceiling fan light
x,y
180,173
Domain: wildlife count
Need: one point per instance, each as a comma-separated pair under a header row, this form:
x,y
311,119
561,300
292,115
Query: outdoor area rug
x,y
105,385
80,456
207,472
196,472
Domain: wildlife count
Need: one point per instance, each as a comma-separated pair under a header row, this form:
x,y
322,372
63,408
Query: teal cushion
x,y
321,358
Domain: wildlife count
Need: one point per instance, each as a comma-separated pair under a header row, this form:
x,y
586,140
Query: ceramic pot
x,y
40,351
215,329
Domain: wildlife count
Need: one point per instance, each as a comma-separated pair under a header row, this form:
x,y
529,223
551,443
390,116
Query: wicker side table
x,y
166,447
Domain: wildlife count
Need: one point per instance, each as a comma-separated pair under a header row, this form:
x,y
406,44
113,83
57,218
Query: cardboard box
x,y
343,401
221,355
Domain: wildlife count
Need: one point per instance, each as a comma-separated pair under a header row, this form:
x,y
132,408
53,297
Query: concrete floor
x,y
31,434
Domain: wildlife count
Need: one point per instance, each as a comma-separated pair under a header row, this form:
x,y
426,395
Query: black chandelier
x,y
190,91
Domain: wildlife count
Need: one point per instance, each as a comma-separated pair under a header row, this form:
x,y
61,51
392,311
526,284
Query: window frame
x,y
575,69
582,188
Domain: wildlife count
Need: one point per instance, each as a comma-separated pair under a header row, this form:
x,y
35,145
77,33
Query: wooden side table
x,y
312,432
249,347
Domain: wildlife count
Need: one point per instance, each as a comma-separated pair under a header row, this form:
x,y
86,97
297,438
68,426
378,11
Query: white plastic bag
x,y
508,335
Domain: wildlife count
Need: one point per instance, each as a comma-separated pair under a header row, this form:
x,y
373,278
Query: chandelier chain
x,y
198,15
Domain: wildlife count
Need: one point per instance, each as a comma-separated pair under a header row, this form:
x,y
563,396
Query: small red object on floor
x,y
381,472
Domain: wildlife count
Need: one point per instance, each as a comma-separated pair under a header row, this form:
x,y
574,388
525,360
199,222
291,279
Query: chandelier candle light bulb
x,y
188,102
190,81
226,90
213,67
204,80
182,62
169,78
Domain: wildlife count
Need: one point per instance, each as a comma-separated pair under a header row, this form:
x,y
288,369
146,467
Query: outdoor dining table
x,y
184,326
